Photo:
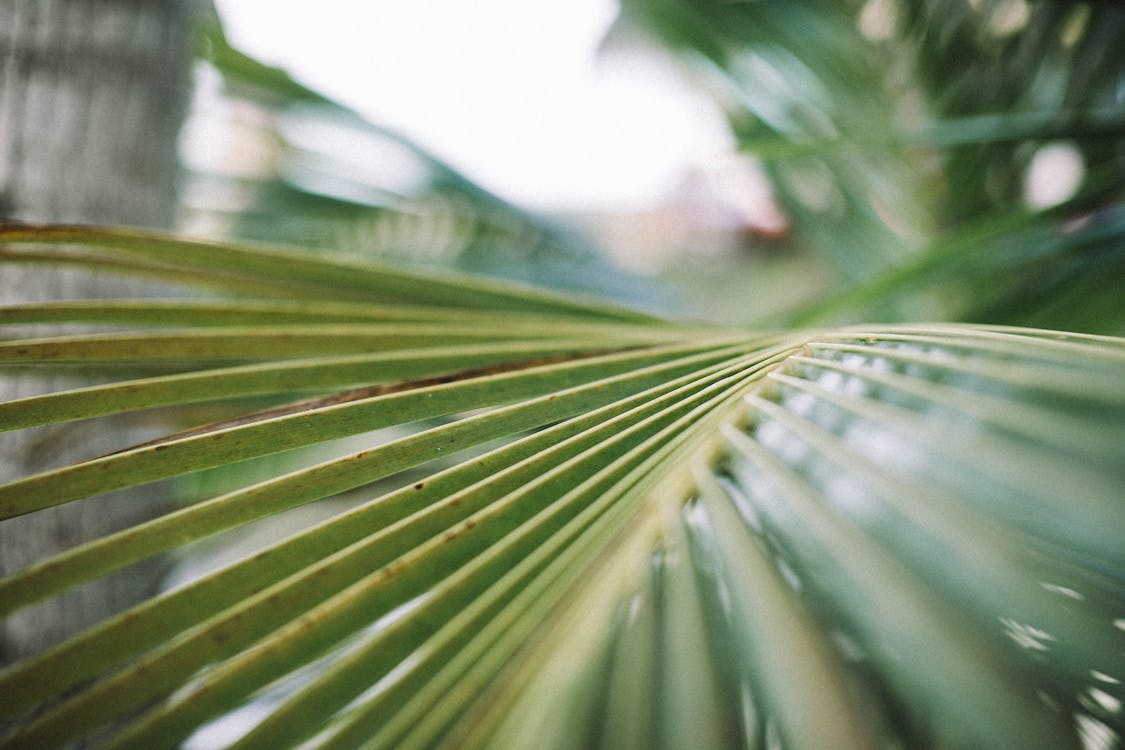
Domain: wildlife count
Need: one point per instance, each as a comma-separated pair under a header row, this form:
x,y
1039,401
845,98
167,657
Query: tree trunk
x,y
92,94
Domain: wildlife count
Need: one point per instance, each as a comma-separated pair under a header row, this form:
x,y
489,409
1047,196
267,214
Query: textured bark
x,y
92,94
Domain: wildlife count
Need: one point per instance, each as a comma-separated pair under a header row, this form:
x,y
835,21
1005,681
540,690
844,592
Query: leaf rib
x,y
144,465
90,653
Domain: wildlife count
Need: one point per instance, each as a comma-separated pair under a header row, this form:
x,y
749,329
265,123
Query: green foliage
x,y
548,520
619,530
900,135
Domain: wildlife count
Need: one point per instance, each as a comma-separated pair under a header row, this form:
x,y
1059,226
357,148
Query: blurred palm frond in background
x,y
303,169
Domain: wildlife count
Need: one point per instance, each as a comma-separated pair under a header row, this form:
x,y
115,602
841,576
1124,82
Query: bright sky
x,y
506,90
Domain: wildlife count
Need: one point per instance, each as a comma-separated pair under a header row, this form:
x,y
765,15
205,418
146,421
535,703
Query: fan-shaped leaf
x,y
619,531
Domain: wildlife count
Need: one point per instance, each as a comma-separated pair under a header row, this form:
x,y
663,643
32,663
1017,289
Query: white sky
x,y
506,90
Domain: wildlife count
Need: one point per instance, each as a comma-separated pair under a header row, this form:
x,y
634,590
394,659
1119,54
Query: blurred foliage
x,y
900,137
335,180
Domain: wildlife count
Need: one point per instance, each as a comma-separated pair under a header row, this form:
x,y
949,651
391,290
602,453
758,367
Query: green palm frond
x,y
577,525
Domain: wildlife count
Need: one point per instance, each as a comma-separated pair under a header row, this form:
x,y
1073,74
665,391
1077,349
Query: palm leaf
x,y
591,527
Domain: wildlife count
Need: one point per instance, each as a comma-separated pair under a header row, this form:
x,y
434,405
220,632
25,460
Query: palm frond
x,y
589,527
